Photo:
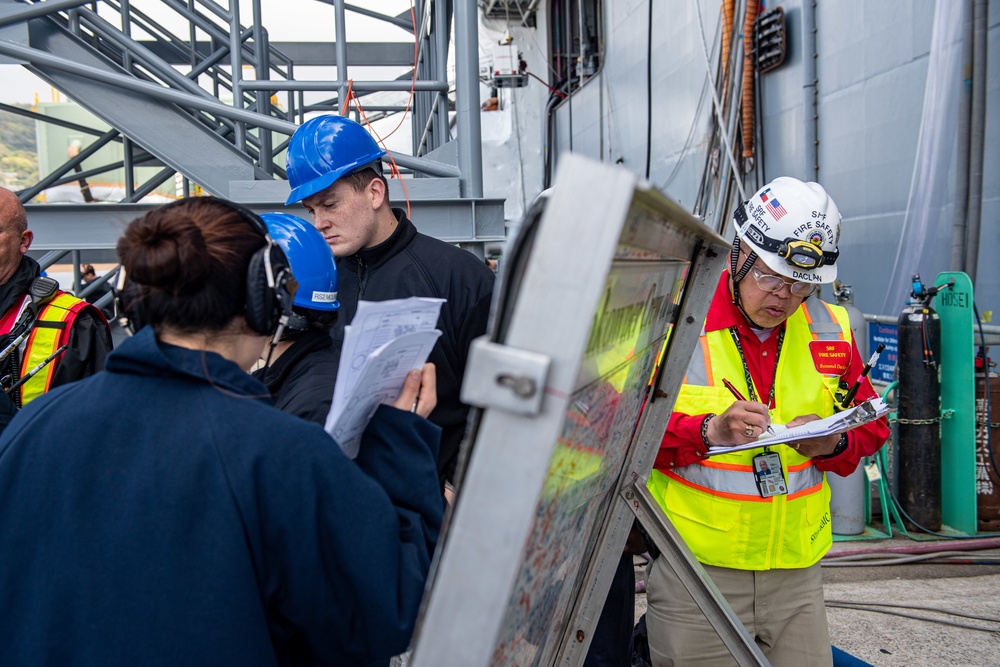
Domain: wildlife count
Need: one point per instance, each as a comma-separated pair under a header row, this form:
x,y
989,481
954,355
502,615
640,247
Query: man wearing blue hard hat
x,y
335,170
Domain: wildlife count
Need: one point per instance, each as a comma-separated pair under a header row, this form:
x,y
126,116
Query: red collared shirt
x,y
682,444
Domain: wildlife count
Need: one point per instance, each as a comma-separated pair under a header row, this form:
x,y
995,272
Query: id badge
x,y
769,475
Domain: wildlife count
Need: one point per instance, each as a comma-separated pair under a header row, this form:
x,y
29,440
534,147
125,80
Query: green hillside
x,y
18,151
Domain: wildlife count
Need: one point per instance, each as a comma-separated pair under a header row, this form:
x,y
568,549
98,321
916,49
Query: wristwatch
x,y
704,428
839,449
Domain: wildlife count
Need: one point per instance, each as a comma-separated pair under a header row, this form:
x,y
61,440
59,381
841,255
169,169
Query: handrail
x,y
248,121
894,319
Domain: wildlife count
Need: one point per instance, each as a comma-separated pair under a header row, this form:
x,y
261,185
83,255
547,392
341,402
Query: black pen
x,y
852,392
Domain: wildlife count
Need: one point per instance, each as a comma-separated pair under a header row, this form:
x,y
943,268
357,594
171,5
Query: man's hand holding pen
x,y
741,423
419,393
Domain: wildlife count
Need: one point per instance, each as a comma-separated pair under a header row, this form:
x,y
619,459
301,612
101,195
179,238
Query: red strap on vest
x,y
10,317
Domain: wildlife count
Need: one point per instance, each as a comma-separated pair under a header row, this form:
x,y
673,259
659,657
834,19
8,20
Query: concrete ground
x,y
970,592
952,595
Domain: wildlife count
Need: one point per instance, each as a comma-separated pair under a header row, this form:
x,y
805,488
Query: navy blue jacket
x,y
189,522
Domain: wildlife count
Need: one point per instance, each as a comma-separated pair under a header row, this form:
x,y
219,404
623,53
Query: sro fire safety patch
x,y
831,357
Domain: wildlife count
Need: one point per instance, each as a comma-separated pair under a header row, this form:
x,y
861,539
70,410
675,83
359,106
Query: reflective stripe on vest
x,y
698,369
715,504
739,483
823,323
51,331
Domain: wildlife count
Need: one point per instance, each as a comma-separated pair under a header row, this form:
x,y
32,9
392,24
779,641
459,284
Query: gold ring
x,y
748,431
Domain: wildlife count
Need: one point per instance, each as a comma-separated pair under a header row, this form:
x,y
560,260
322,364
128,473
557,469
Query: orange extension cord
x,y
352,97
728,9
748,78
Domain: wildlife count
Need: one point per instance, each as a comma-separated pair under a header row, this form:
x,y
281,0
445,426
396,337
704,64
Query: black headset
x,y
270,285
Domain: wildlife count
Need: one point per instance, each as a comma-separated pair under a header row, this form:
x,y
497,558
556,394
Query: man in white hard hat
x,y
759,519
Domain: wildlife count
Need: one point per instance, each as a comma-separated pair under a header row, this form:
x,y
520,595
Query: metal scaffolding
x,y
216,101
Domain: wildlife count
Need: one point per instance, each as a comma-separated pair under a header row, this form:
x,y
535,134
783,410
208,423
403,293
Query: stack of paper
x,y
384,342
864,413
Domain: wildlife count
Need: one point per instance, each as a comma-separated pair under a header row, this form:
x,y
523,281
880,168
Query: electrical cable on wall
x,y
613,124
718,104
394,171
413,81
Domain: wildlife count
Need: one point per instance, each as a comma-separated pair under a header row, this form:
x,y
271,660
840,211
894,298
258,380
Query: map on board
x,y
626,337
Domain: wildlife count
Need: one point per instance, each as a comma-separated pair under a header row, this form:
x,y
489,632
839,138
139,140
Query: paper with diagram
x,y
375,324
861,414
379,381
384,342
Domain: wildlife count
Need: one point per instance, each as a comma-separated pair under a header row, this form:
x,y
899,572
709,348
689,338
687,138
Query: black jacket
x,y
89,343
409,263
301,380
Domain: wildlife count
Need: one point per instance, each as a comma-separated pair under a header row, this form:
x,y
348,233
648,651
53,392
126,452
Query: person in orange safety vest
x,y
63,338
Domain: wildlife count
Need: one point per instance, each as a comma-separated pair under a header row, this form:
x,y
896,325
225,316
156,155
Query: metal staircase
x,y
187,142
203,102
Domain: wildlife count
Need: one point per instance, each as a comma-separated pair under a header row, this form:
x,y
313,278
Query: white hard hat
x,y
794,227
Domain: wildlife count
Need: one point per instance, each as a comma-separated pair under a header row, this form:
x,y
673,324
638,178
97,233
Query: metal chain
x,y
916,422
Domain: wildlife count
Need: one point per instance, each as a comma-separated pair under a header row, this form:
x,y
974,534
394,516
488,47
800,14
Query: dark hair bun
x,y
165,251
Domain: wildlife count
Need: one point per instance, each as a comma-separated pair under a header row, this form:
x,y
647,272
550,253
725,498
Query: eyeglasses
x,y
772,283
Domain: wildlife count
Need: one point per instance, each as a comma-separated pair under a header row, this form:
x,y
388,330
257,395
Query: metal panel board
x,y
538,494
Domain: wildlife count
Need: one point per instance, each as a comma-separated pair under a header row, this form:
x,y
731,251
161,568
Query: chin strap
x,y
739,275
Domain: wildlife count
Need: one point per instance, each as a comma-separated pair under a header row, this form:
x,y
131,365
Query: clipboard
x,y
859,415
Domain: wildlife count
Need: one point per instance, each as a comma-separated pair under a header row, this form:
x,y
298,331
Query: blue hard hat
x,y
322,150
311,259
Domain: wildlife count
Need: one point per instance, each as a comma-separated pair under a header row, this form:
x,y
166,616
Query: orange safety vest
x,y
50,332
714,503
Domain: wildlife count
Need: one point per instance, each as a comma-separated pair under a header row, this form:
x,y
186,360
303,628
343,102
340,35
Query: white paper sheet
x,y
375,324
861,414
379,381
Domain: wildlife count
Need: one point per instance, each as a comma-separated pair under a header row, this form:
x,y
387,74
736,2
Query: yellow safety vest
x,y
714,503
50,332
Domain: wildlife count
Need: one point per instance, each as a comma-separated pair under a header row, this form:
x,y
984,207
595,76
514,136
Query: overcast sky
x,y
285,20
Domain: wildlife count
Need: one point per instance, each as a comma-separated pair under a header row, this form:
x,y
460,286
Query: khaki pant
x,y
782,610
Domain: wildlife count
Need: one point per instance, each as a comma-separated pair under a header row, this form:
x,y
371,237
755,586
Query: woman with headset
x,y
189,522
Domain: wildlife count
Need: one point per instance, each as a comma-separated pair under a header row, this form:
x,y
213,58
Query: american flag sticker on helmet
x,y
772,204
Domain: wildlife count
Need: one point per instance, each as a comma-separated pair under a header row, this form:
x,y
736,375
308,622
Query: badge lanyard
x,y
734,332
767,466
